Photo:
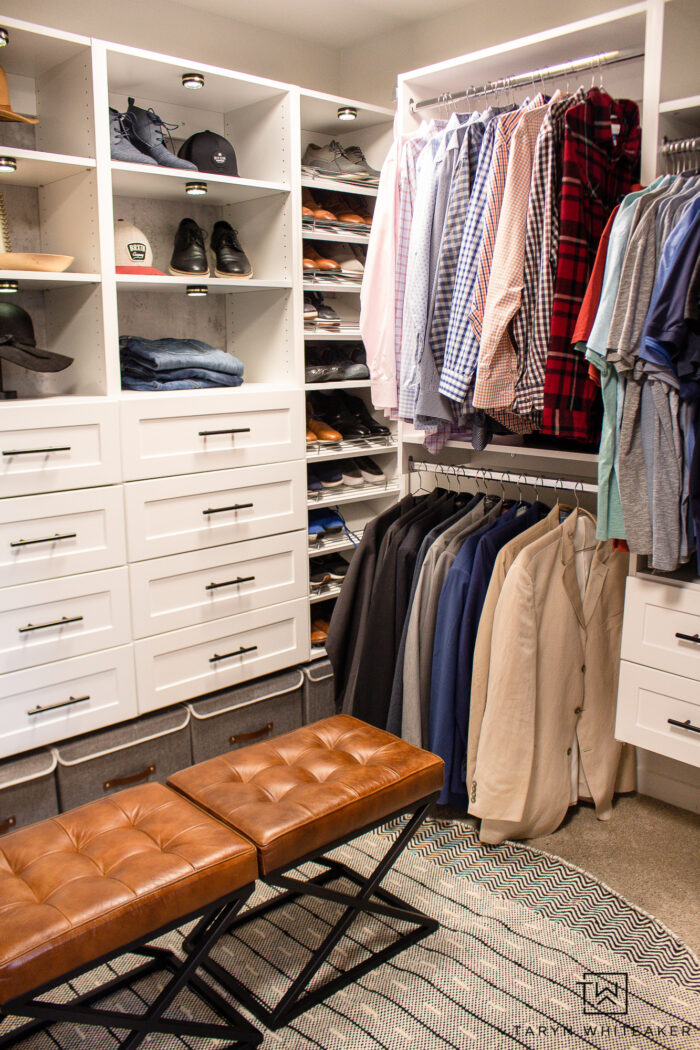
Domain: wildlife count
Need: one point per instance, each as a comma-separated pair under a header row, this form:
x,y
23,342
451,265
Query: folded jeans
x,y
137,371
130,382
178,353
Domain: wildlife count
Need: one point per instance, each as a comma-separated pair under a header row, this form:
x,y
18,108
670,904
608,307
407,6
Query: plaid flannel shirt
x,y
597,171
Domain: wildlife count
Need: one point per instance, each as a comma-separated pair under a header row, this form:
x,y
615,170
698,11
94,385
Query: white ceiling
x,y
335,23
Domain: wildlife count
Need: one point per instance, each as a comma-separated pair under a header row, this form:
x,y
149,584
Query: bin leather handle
x,y
133,778
255,734
6,824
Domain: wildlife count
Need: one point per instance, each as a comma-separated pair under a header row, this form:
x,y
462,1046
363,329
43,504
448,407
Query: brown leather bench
x,y
106,879
297,797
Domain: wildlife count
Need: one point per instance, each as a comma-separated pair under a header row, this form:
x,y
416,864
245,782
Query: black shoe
x,y
369,469
316,370
189,258
356,407
326,317
332,565
231,260
333,411
338,357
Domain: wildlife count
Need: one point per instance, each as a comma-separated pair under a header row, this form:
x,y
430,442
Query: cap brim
x,y
34,358
14,118
140,270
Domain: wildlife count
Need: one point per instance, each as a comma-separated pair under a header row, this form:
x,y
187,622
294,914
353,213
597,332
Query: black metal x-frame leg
x,y
238,1032
370,900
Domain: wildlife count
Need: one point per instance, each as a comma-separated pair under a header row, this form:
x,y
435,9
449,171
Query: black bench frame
x,y
213,920
295,1002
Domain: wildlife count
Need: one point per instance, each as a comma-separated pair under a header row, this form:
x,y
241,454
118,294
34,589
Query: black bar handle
x,y
228,583
220,510
44,539
39,710
35,451
689,637
231,430
54,623
239,652
684,725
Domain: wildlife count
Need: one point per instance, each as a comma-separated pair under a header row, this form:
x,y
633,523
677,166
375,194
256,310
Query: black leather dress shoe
x,y
231,260
332,410
356,407
189,258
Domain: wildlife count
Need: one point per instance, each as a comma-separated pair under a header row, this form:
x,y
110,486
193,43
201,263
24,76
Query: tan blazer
x,y
553,672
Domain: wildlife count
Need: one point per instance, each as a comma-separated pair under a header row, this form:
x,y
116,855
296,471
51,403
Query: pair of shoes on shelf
x,y
321,623
335,210
360,471
323,476
137,137
330,568
318,432
317,312
326,524
335,363
345,414
334,260
189,258
334,161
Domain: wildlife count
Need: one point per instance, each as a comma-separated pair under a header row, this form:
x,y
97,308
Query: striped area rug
x,y
532,953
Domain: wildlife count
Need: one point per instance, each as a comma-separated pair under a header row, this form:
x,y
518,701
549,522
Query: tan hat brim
x,y
10,116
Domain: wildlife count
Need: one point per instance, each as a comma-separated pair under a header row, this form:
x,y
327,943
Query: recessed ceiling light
x,y
196,188
347,113
8,164
194,81
9,286
4,37
197,289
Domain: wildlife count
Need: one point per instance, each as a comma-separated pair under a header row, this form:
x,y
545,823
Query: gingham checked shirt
x,y
532,322
597,171
496,370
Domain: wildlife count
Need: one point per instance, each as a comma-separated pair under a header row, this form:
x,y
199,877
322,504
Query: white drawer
x,y
187,589
173,515
184,664
56,619
77,696
61,533
47,447
648,702
194,433
655,614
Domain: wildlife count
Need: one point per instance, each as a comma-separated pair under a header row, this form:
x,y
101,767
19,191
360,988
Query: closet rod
x,y
486,474
605,58
680,146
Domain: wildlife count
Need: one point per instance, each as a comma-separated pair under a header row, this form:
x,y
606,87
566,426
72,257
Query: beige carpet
x,y
648,852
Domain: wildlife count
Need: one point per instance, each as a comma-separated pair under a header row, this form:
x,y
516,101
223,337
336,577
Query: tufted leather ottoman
x,y
304,793
110,876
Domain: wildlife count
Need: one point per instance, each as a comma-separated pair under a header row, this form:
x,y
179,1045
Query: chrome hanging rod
x,y
671,146
605,58
485,474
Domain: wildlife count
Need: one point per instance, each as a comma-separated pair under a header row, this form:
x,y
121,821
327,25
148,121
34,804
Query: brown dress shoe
x,y
321,430
315,210
309,264
319,262
344,213
319,633
310,436
359,207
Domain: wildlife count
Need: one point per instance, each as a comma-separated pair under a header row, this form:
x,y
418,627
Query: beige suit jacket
x,y
553,671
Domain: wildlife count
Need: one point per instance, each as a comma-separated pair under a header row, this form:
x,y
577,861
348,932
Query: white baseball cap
x,y
132,252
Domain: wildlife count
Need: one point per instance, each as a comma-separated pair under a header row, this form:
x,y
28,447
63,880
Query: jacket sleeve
x,y
507,741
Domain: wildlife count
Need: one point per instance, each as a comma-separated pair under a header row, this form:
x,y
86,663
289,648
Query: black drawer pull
x,y
684,725
229,583
44,539
238,652
134,778
231,430
35,451
54,623
8,823
244,738
39,710
220,510
689,637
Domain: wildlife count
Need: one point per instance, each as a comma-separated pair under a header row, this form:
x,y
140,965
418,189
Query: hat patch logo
x,y
219,157
137,251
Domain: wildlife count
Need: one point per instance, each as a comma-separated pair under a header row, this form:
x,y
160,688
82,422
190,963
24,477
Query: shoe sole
x,y
332,484
187,273
372,479
352,482
327,324
234,276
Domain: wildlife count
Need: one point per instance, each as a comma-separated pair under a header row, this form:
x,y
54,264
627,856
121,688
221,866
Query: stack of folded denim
x,y
175,364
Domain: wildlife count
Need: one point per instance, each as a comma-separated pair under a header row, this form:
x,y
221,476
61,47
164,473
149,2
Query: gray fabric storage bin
x,y
319,691
249,713
147,748
27,789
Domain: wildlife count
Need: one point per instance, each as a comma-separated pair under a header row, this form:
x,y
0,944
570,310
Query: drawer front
x,y
188,589
174,515
84,693
655,616
185,664
193,434
659,712
50,447
59,534
56,619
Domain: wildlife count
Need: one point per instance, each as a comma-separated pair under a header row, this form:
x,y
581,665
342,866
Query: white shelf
x,y
157,183
334,546
35,168
37,282
343,384
502,448
332,286
348,449
327,591
310,234
333,335
338,186
343,495
134,282
686,107
319,114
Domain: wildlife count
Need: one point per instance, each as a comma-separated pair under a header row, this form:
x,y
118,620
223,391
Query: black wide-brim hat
x,y
18,344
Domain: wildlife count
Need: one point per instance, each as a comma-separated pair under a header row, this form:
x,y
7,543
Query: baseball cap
x,y
132,252
210,152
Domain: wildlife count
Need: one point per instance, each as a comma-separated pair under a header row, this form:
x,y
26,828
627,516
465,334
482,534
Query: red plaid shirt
x,y
598,169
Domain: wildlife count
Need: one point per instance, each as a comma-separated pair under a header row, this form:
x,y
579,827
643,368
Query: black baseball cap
x,y
210,152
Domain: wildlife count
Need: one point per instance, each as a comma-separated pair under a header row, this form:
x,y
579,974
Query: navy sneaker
x,y
329,475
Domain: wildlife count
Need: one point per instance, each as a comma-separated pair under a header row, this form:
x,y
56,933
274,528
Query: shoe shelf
x,y
35,281
318,652
338,185
310,233
36,168
156,183
326,335
145,283
334,546
344,494
332,286
319,594
345,449
343,384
